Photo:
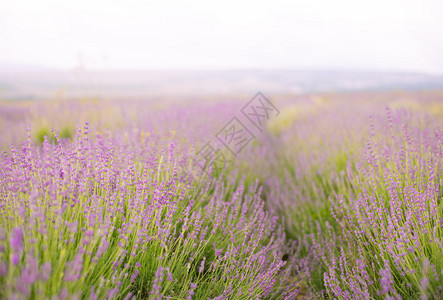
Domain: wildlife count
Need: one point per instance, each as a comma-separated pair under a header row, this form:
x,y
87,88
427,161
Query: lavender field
x,y
325,196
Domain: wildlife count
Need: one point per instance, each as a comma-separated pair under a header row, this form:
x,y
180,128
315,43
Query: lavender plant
x,y
102,218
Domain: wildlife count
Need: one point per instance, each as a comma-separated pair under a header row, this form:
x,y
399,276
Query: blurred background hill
x,y
33,82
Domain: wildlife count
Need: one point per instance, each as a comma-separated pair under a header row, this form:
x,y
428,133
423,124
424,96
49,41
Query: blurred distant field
x,y
65,115
338,195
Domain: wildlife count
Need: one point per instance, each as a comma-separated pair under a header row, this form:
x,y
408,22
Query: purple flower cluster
x,y
110,215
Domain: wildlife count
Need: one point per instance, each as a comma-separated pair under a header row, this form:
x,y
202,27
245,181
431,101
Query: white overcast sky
x,y
387,35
